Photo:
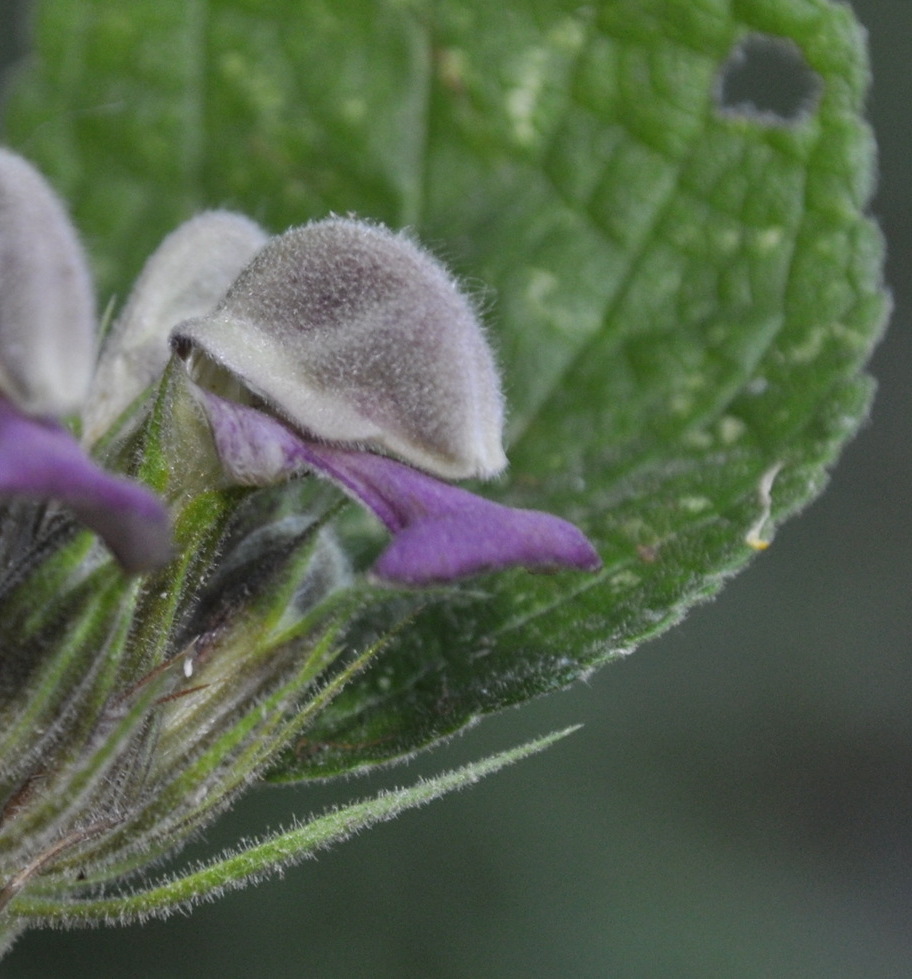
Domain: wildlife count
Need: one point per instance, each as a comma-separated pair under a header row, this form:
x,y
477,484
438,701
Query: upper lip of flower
x,y
361,337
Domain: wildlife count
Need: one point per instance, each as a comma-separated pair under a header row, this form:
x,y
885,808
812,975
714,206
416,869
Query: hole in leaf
x,y
767,79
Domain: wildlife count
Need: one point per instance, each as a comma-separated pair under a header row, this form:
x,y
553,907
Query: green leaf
x,y
682,294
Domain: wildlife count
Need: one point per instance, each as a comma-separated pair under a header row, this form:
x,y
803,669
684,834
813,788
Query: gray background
x,y
739,802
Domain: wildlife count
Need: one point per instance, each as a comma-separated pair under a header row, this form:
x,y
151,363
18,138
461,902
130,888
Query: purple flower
x,y
364,346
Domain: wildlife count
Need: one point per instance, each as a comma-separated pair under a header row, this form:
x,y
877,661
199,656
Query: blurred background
x,y
738,802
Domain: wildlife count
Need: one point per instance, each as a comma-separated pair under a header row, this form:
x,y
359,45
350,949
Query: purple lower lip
x,y
40,460
440,532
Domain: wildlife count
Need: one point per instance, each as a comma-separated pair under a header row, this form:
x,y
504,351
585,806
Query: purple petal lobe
x,y
42,461
440,532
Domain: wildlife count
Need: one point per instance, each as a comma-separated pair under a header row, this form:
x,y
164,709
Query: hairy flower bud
x,y
357,336
47,307
185,277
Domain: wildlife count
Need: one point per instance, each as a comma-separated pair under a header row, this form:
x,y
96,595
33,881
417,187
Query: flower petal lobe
x,y
440,532
356,335
47,302
40,460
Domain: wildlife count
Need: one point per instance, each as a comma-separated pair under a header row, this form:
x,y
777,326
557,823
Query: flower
x,y
47,352
338,348
342,343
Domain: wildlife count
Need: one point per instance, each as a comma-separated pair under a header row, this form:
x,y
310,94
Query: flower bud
x,y
186,276
47,307
356,335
